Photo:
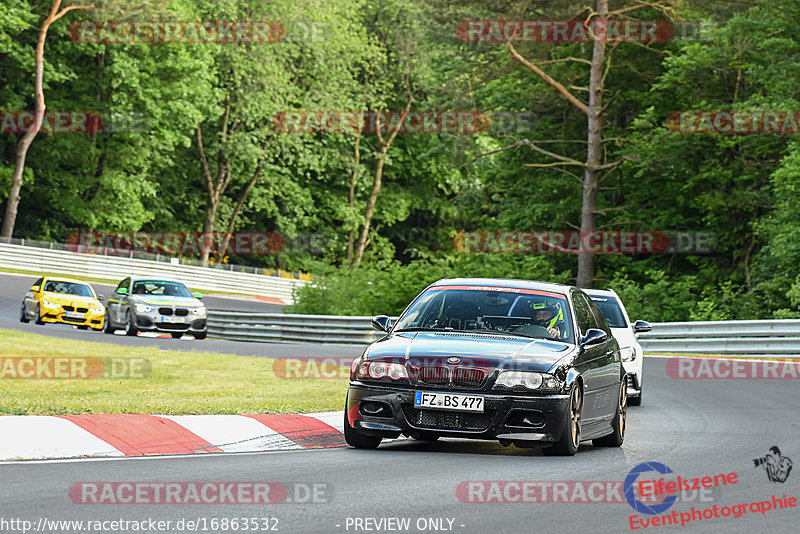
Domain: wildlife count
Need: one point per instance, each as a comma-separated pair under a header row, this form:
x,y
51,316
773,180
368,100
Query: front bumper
x,y
59,315
153,322
519,419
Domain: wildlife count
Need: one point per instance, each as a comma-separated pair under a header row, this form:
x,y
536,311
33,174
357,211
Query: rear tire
x,y
616,438
571,437
23,315
358,440
130,327
636,401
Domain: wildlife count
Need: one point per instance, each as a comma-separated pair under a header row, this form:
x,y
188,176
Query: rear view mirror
x,y
100,298
641,326
382,323
35,289
593,337
122,291
197,295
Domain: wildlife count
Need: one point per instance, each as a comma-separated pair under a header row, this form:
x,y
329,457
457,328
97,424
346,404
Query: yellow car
x,y
62,300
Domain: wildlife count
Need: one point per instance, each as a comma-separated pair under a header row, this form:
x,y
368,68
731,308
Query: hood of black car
x,y
480,350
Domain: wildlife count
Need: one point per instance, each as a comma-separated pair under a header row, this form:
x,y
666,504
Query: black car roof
x,y
507,282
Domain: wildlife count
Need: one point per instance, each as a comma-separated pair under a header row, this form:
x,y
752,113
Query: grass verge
x,y
179,383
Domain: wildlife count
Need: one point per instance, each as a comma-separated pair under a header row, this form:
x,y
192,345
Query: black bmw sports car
x,y
528,363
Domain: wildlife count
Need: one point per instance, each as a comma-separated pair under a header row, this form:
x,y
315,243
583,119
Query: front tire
x,y
176,335
358,440
23,315
200,335
616,438
109,326
130,327
571,437
39,315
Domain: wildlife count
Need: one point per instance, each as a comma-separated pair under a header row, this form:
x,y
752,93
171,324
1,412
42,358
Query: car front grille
x,y
172,326
438,375
165,311
445,420
68,308
181,312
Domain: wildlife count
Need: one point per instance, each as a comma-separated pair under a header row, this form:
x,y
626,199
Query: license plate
x,y
448,401
73,315
171,319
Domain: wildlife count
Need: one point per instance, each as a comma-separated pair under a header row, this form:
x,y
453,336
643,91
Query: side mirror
x,y
382,323
197,295
593,337
35,289
122,291
641,326
100,298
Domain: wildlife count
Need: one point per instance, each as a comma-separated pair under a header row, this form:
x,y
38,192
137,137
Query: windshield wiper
x,y
425,329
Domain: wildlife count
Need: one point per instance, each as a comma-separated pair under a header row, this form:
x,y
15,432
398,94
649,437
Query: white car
x,y
625,333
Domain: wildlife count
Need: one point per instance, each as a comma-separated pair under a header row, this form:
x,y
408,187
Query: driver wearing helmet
x,y
546,316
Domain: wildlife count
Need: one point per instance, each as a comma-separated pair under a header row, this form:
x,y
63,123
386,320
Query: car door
x,y
591,362
606,398
115,302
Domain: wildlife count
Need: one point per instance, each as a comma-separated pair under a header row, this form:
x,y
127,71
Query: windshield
x,y
69,288
610,308
524,312
160,287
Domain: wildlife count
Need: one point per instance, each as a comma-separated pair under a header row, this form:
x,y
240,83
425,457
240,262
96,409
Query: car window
x,y
600,319
610,308
160,287
122,284
479,308
68,288
583,312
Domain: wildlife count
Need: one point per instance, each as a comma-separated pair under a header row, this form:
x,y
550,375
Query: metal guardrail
x,y
69,263
778,336
277,327
702,337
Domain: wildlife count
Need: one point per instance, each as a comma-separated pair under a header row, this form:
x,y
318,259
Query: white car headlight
x,y
199,311
48,304
627,354
527,379
143,308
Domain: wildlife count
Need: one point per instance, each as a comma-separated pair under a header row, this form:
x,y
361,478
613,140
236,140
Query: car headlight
x,y
97,311
199,311
143,308
51,305
379,370
627,354
527,380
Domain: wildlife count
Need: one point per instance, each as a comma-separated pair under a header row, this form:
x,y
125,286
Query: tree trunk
x,y
371,201
22,148
351,197
594,150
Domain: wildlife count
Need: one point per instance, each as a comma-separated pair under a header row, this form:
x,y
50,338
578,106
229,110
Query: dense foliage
x,y
361,55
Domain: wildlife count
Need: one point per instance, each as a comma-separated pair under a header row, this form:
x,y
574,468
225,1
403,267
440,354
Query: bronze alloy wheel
x,y
575,415
623,408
